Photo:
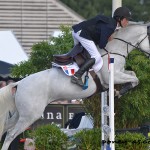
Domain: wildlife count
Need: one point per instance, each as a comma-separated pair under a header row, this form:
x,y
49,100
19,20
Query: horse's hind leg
x,y
125,88
12,121
13,133
22,124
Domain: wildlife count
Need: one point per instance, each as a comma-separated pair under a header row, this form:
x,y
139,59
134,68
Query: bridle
x,y
129,43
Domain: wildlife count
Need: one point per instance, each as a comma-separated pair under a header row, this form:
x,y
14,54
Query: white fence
x,y
107,112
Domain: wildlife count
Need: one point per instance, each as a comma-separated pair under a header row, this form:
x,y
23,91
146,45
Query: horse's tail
x,y
7,103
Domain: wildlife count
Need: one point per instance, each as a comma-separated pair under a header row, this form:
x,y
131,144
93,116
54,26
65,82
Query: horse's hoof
x,y
116,98
103,89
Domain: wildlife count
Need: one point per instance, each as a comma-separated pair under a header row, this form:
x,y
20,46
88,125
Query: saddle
x,y
79,55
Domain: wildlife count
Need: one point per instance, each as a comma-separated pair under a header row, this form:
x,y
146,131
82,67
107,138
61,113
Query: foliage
x,y
92,105
88,139
42,54
101,7
23,69
49,137
139,10
131,141
133,108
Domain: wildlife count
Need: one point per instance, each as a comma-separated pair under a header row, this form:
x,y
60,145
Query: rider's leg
x,y
77,76
95,61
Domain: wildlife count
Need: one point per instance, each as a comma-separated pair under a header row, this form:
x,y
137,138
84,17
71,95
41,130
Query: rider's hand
x,y
110,38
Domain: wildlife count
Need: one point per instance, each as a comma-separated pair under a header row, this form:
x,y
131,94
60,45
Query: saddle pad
x,y
69,69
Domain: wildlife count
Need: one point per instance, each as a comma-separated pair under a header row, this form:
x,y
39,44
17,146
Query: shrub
x,y
131,141
49,137
92,105
88,139
91,140
42,53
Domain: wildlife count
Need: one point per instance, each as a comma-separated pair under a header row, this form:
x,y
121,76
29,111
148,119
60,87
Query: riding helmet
x,y
122,12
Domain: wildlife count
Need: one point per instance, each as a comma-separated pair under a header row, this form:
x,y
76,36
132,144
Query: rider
x,y
97,31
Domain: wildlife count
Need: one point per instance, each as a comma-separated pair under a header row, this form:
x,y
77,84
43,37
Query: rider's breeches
x,y
91,48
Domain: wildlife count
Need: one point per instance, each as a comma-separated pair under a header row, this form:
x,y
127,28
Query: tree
x,y
133,108
84,7
139,10
42,54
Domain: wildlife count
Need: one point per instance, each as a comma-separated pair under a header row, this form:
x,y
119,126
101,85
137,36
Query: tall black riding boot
x,y
77,76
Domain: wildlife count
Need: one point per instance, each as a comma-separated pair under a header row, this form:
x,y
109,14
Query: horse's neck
x,y
129,35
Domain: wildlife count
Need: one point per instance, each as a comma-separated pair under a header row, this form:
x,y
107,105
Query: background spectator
x,y
2,84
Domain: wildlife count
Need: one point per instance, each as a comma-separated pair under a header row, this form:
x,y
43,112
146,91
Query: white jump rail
x,y
107,112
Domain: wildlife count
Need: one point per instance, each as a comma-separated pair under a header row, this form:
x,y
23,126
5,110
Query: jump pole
x,y
111,104
107,110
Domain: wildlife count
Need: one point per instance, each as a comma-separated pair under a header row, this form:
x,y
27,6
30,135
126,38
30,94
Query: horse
x,y
36,91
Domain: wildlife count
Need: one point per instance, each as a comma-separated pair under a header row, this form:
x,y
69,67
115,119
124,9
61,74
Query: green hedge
x,y
91,140
88,139
49,137
131,141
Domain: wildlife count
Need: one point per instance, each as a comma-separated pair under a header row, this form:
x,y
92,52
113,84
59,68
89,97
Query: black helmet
x,y
122,12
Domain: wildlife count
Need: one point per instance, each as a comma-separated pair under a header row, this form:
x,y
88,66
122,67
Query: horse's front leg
x,y
128,79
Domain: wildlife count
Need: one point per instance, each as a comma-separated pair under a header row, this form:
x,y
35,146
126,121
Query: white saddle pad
x,y
69,69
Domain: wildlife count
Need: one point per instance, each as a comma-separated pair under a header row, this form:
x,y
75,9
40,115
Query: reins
x,y
128,43
137,47
112,53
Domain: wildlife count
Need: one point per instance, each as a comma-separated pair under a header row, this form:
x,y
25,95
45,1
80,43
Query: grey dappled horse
x,y
36,91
